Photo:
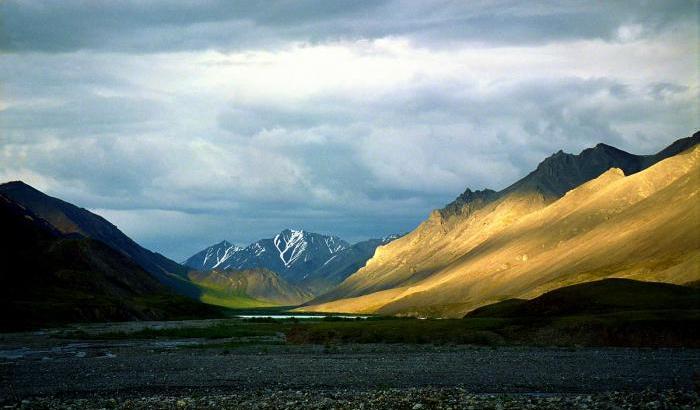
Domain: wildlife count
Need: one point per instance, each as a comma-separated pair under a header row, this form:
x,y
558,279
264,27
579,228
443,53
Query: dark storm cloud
x,y
147,26
156,26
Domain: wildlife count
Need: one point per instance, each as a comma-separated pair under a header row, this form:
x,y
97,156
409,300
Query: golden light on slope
x,y
644,226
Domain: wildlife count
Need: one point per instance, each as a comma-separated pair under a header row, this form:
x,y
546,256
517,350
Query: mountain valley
x,y
603,213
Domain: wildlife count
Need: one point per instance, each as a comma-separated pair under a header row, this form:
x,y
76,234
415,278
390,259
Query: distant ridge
x,y
312,261
343,264
561,172
292,253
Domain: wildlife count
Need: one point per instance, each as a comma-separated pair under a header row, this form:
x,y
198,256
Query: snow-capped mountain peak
x,y
230,250
293,253
213,256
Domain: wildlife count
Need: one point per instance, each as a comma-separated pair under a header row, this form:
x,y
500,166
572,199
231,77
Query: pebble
x,y
383,399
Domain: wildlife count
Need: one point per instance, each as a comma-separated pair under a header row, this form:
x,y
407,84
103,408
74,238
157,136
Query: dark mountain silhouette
x,y
599,297
49,277
68,218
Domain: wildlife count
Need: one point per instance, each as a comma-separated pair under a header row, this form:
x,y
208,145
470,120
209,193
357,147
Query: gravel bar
x,y
41,371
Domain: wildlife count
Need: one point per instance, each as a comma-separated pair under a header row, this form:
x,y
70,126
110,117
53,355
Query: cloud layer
x,y
192,122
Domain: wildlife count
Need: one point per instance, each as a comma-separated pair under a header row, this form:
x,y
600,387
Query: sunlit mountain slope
x,y
523,242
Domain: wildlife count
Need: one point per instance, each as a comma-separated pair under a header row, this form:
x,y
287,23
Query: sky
x,y
189,122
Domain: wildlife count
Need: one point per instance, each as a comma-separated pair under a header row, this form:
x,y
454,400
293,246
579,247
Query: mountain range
x,y
603,213
293,254
311,261
575,218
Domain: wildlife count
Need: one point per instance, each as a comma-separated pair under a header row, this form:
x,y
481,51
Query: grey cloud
x,y
87,115
376,187
159,25
251,119
153,26
665,90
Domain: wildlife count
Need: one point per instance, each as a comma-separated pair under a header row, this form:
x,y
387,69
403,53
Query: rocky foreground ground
x,y
410,398
45,370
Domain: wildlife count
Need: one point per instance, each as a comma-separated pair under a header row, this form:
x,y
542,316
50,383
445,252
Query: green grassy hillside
x,y
247,288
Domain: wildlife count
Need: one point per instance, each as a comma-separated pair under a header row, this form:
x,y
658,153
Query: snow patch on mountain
x,y
290,244
219,255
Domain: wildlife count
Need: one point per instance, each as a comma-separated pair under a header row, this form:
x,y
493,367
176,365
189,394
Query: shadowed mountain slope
x,y
68,218
598,297
562,172
343,264
49,278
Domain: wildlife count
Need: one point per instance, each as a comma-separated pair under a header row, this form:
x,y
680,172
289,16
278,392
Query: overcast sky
x,y
185,123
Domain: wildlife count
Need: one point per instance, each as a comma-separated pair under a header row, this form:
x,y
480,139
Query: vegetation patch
x,y
222,330
606,313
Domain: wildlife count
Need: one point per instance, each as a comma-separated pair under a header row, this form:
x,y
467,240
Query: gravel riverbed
x,y
39,370
409,398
